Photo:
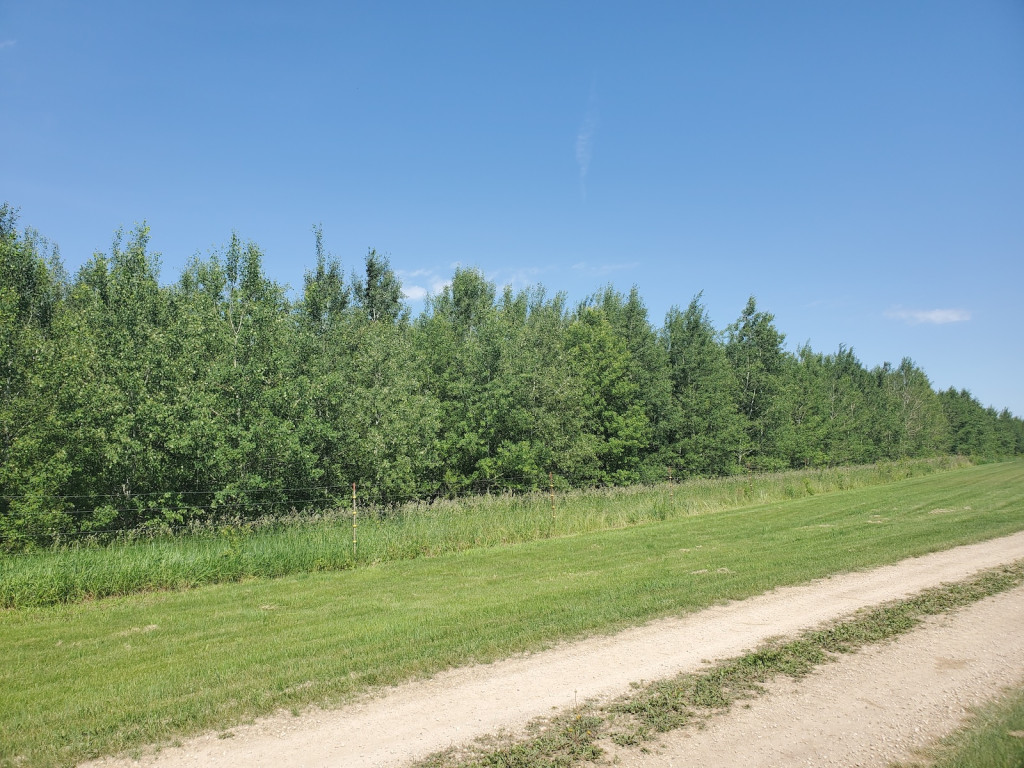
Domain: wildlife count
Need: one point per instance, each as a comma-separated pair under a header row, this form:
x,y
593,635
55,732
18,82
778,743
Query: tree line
x,y
125,403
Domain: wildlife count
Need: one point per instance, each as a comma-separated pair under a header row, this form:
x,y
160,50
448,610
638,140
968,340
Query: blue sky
x,y
857,166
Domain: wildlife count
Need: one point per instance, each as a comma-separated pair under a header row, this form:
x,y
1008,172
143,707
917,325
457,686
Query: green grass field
x,y
102,676
690,699
268,549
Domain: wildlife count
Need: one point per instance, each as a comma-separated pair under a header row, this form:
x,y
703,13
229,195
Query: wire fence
x,y
130,517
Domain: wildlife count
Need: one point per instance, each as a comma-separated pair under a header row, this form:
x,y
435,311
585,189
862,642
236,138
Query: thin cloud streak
x,y
585,142
930,316
7,43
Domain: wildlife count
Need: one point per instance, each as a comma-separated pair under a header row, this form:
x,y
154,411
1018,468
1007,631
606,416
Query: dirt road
x,y
871,708
410,721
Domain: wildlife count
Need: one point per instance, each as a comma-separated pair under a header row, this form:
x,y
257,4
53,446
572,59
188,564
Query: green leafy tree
x,y
908,420
648,370
616,431
847,399
1010,432
124,403
456,342
379,293
242,406
388,425
705,433
323,346
32,285
102,375
325,297
973,429
804,437
536,417
754,349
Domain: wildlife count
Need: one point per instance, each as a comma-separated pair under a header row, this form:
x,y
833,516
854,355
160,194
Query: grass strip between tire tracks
x,y
575,737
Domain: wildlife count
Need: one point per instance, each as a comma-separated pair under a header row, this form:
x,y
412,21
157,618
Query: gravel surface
x,y
869,709
408,722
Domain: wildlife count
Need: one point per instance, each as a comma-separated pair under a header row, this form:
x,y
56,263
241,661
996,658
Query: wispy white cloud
x,y
427,282
417,284
415,273
414,292
933,316
517,278
7,43
585,141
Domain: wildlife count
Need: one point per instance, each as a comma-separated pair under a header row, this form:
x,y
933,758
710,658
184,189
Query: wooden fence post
x,y
354,524
551,487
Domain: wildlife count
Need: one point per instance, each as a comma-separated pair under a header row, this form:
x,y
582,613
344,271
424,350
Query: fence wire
x,y
306,504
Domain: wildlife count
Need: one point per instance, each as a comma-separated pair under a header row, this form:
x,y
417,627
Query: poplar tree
x,y
379,292
616,430
32,286
705,432
754,349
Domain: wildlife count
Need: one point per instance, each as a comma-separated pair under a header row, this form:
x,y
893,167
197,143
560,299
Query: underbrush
x,y
234,550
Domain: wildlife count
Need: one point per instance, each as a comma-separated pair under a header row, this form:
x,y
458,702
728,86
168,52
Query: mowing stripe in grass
x,y
96,678
573,737
279,548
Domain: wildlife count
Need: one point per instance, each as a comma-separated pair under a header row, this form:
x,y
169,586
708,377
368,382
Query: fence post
x,y
354,524
671,487
551,487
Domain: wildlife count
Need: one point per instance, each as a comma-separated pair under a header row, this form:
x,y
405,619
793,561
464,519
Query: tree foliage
x,y
126,402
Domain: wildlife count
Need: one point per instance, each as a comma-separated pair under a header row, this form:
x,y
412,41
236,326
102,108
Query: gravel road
x,y
861,711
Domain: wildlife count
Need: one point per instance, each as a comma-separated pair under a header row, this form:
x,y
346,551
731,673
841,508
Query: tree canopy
x,y
128,403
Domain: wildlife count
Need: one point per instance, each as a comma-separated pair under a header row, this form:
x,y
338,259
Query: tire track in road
x,y
410,721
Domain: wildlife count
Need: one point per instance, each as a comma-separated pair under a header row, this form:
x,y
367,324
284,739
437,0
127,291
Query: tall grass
x,y
228,551
95,678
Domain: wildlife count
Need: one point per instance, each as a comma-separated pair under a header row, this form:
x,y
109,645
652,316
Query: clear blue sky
x,y
857,166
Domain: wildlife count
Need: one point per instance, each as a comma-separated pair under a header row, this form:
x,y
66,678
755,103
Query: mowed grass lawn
x,y
99,677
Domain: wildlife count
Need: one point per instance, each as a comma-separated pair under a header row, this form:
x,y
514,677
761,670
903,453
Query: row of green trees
x,y
127,403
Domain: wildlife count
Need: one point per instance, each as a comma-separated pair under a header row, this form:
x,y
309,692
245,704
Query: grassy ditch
x,y
688,700
99,677
247,550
